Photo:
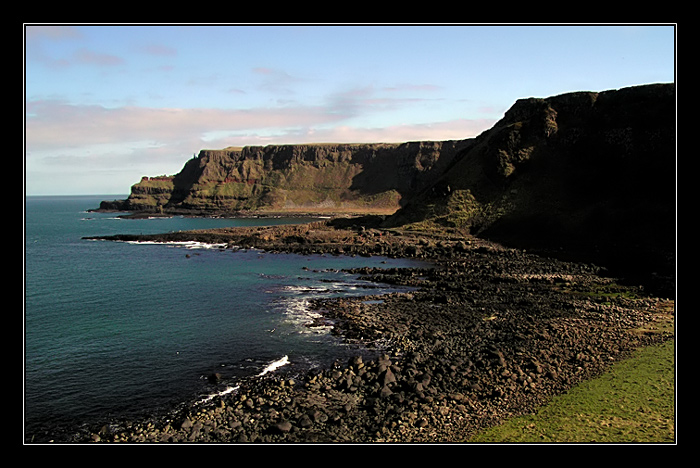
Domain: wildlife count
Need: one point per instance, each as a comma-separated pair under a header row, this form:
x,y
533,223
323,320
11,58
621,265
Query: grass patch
x,y
613,291
633,402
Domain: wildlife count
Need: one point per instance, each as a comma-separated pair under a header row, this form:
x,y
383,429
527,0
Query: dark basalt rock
x,y
491,332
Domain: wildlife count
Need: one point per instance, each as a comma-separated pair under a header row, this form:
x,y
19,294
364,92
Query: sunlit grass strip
x,y
633,402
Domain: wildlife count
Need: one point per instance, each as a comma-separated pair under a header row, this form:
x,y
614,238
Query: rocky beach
x,y
488,333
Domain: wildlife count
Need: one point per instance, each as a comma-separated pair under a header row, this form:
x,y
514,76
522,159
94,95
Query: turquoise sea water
x,y
114,329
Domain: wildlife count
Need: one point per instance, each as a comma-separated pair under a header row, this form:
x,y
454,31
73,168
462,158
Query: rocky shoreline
x,y
489,333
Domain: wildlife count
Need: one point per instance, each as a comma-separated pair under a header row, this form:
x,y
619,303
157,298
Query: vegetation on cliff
x,y
589,176
338,178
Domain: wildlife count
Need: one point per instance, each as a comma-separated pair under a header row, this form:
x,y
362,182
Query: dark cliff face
x,y
593,173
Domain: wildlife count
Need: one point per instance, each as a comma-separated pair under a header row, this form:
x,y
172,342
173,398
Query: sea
x,y
118,330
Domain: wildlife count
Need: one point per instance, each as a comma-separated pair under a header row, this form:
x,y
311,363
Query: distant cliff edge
x,y
312,178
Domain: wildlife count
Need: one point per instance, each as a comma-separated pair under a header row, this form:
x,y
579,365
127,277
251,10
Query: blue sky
x,y
107,104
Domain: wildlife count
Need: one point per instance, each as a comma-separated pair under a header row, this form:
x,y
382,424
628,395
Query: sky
x,y
106,104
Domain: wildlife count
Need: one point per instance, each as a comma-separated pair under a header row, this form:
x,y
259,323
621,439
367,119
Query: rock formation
x,y
337,178
588,174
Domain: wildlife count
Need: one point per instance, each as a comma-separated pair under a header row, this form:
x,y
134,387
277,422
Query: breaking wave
x,y
271,367
186,244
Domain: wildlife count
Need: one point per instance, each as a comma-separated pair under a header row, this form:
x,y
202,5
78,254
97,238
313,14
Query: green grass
x,y
633,402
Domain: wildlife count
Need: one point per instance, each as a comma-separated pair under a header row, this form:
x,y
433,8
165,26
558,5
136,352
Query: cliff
x,y
585,175
320,178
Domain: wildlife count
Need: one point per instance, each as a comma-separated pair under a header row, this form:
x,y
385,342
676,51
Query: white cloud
x,y
67,143
53,124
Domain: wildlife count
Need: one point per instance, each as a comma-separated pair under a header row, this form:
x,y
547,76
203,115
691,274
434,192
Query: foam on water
x,y
273,366
301,317
210,397
186,244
